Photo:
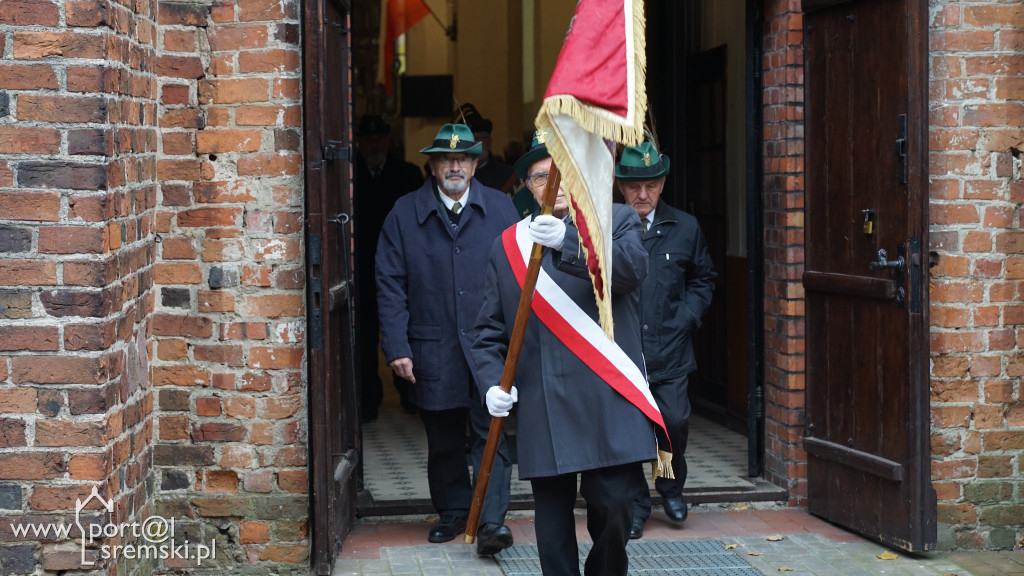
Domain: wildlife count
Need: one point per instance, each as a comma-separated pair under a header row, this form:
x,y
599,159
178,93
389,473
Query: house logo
x,y
79,505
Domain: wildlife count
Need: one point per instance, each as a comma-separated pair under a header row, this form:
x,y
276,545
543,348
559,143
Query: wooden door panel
x,y
867,411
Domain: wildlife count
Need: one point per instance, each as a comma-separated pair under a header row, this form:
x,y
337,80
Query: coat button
x,y
645,326
458,250
462,331
461,291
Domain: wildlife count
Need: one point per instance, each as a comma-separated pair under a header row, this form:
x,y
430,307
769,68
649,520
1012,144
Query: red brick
x,y
215,301
240,407
31,465
224,91
73,240
253,532
179,40
29,13
945,342
25,76
36,206
35,338
29,140
58,433
88,467
275,305
250,10
270,165
179,325
171,349
58,370
219,141
174,428
177,273
235,38
218,353
279,408
236,457
287,554
17,400
180,376
223,191
293,481
205,217
277,249
270,358
37,44
276,61
222,250
225,481
178,169
48,108
1002,16
178,143
218,432
208,406
179,248
222,12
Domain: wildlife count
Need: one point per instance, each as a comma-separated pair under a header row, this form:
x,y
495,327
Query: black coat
x,y
676,292
429,280
568,418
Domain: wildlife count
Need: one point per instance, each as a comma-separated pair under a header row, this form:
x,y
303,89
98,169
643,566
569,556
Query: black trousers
x,y
609,495
451,489
671,397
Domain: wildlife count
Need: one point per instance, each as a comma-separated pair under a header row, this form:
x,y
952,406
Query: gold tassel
x,y
662,467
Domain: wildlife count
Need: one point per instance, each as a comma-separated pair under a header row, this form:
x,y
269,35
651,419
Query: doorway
x,y
697,56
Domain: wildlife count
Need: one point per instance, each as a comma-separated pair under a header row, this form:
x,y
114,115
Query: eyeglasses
x,y
446,161
539,179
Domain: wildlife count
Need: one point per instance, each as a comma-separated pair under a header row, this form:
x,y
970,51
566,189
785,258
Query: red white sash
x,y
577,330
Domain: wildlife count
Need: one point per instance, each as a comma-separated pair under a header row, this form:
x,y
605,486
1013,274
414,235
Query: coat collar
x,y
426,201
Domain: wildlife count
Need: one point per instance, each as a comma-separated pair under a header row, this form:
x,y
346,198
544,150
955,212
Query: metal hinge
x,y
316,326
334,150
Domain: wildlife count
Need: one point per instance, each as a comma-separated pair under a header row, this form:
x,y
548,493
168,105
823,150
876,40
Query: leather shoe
x,y
492,538
636,531
447,528
675,508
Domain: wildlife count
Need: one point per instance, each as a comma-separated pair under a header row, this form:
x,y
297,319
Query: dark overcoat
x,y
675,294
430,274
568,419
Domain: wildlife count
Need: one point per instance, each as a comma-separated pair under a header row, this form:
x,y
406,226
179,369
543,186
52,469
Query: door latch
x,y
899,263
901,147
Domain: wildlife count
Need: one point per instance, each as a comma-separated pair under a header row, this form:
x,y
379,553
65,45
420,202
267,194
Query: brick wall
x,y
975,141
77,195
229,326
783,136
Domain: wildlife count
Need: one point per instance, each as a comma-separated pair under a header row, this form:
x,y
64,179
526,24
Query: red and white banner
x,y
597,93
396,17
577,330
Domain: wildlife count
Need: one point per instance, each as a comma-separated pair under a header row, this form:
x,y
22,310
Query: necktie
x,y
646,223
457,207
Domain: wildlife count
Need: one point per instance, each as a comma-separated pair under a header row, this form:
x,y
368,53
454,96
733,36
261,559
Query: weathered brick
x,y
35,338
85,12
29,13
50,402
20,559
187,67
217,353
58,370
182,455
14,239
12,433
275,306
278,408
91,400
56,433
230,91
178,325
276,61
62,175
72,240
10,497
270,165
17,400
174,400
297,554
223,481
275,358
234,38
82,303
207,217
218,141
215,301
88,466
37,44
175,297
253,532
182,13
180,376
250,10
16,303
218,432
37,206
222,506
31,465
177,273
296,481
29,140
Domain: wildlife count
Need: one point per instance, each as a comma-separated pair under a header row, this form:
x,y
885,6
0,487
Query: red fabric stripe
x,y
592,264
579,345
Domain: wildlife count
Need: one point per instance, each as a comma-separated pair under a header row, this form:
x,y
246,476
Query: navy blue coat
x,y
676,293
429,280
568,419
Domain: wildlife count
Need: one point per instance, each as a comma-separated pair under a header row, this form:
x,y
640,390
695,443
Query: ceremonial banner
x,y
597,93
396,17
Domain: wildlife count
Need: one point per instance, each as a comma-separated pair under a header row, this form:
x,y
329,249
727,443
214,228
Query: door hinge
x,y
901,147
316,324
335,150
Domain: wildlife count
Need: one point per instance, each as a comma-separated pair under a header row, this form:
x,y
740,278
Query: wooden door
x,y
334,419
867,428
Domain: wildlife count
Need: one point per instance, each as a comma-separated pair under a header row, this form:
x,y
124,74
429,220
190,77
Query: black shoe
x,y
492,538
675,508
636,531
447,528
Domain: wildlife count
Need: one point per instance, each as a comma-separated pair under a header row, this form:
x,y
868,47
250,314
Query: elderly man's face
x,y
643,195
537,181
453,172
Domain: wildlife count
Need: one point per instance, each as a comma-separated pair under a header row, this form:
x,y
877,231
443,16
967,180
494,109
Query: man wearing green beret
x,y
673,298
431,259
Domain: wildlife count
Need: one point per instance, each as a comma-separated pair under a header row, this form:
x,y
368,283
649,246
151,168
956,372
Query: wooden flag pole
x,y
511,360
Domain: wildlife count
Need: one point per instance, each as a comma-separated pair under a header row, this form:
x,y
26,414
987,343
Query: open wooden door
x,y
334,419
867,434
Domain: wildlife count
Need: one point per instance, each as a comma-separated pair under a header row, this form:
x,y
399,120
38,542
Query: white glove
x,y
500,402
547,230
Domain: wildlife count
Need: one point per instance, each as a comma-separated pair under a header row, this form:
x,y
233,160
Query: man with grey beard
x,y
431,258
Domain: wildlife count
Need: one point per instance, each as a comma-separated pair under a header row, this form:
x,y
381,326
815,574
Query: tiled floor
x,y
395,456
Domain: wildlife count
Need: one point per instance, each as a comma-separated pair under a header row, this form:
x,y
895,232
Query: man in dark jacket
x,y
572,423
380,179
674,296
431,258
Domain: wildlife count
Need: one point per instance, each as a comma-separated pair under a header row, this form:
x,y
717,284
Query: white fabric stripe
x,y
581,322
